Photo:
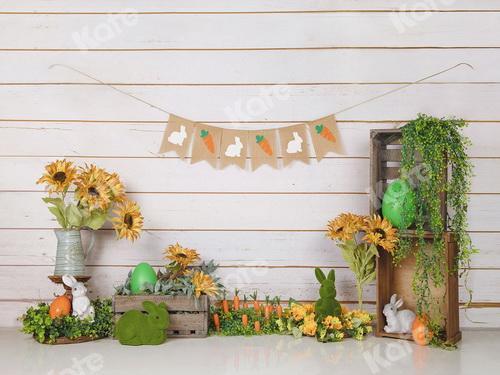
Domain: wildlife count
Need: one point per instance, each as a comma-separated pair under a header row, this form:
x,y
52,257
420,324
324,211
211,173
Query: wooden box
x,y
189,316
385,158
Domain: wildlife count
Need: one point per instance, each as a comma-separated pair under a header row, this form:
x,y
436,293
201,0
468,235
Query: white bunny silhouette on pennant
x,y
234,150
295,145
177,138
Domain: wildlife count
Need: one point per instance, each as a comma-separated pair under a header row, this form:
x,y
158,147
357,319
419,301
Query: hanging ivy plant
x,y
442,147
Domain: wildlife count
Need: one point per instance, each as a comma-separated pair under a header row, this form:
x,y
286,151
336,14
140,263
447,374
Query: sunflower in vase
x,y
359,237
86,198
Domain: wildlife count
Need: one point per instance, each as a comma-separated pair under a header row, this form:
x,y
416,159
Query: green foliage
x,y
37,322
136,328
361,260
72,216
441,145
327,304
170,283
231,324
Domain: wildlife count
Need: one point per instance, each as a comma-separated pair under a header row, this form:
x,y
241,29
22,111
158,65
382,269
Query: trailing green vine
x,y
442,147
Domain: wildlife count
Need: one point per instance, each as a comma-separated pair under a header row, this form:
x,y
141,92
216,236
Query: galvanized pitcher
x,y
70,256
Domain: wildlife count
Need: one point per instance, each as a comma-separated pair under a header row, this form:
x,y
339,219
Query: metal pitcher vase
x,y
70,256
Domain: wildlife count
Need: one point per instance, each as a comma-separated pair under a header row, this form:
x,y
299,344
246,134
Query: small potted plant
x,y
86,198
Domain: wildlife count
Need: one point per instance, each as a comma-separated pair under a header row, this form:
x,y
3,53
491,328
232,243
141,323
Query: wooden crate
x,y
189,316
385,158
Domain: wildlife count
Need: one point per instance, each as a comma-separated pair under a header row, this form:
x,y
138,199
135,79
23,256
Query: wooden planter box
x,y
385,158
189,316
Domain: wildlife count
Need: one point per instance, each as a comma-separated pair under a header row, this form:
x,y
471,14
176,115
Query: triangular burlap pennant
x,y
325,136
233,148
294,144
177,136
262,145
206,145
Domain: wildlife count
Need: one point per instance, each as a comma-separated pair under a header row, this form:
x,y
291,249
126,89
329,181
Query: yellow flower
x,y
92,189
128,221
332,322
380,233
310,326
347,323
309,308
363,316
116,188
345,226
181,255
369,329
204,284
59,176
345,309
297,311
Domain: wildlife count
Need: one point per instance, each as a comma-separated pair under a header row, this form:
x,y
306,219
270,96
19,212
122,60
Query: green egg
x,y
398,204
143,274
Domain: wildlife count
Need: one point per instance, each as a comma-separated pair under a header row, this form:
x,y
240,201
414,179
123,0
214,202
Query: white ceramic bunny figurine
x,y
82,308
398,321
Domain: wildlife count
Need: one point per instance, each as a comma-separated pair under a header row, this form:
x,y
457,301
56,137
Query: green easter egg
x,y
143,274
399,198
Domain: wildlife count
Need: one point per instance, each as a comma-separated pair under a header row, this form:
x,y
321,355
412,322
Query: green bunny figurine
x,y
137,328
327,304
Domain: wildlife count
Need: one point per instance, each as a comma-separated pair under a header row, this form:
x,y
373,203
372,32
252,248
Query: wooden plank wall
x,y
198,58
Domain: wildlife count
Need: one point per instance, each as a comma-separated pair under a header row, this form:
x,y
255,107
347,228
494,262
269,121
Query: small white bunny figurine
x,y
398,321
82,308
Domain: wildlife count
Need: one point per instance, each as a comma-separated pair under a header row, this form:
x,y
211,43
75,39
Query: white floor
x,y
478,353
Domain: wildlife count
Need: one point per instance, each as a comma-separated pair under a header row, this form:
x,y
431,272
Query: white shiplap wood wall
x,y
196,58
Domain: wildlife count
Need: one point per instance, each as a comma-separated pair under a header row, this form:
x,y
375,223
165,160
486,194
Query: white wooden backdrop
x,y
196,58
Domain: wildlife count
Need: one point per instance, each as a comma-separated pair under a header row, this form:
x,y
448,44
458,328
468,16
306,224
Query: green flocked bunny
x,y
137,328
327,304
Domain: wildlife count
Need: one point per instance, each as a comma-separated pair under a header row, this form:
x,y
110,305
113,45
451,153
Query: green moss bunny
x,y
327,304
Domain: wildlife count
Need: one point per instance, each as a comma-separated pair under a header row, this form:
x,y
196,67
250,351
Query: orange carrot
x,y
264,144
325,132
256,304
256,325
217,322
267,309
245,302
244,320
236,300
225,304
279,308
208,140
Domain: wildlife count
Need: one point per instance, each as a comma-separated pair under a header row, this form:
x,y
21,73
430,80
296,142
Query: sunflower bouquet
x,y
87,197
182,276
359,238
301,320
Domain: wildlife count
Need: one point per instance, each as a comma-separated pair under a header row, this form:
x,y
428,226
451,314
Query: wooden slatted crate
x,y
385,158
189,316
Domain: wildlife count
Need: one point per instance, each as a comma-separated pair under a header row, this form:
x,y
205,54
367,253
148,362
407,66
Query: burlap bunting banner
x,y
294,144
177,136
262,145
206,145
234,148
325,136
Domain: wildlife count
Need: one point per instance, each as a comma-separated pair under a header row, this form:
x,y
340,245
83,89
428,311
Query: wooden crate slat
x,y
174,303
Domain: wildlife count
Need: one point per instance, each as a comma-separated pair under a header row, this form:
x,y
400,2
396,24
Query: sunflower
x,y
309,308
181,255
92,189
298,311
59,176
310,326
332,322
128,221
116,188
204,284
345,226
380,233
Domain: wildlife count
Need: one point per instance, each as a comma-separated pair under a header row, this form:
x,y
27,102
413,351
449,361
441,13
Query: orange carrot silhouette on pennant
x,y
264,144
325,132
208,140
